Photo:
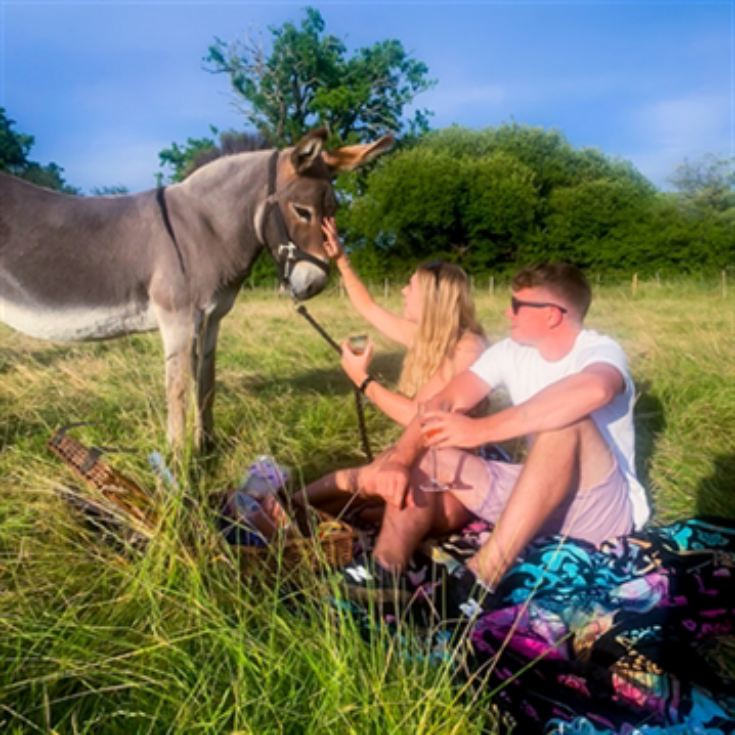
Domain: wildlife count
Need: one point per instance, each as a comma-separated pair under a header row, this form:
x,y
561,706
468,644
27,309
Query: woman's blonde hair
x,y
447,312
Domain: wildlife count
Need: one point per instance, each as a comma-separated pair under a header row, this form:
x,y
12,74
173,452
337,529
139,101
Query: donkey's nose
x,y
307,280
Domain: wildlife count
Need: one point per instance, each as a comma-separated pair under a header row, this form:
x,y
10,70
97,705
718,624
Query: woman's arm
x,y
396,406
392,404
386,322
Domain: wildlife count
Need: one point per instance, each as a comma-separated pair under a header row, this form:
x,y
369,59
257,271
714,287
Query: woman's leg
x,y
334,485
330,487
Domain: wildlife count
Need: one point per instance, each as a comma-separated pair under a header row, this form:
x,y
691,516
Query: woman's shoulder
x,y
468,349
471,342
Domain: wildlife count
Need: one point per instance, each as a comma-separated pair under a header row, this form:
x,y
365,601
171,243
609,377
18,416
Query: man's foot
x,y
364,580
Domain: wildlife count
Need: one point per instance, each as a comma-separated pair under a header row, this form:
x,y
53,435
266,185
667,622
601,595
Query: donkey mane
x,y
230,143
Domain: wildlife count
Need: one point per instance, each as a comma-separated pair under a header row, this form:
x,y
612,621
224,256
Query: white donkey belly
x,y
79,323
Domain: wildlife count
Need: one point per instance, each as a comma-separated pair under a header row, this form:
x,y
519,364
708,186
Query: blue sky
x,y
104,86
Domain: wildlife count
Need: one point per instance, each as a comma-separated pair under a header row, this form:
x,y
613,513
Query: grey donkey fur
x,y
173,259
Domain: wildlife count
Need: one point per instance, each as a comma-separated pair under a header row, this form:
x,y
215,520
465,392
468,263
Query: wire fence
x,y
491,285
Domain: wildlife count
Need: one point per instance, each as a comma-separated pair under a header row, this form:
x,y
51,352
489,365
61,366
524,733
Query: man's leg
x,y
403,529
559,465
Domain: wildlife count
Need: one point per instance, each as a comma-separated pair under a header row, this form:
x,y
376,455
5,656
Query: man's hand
x,y
443,429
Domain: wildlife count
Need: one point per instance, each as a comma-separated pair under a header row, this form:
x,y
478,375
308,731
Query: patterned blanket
x,y
619,639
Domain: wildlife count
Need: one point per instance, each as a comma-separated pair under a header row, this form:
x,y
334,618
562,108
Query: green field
x,y
97,638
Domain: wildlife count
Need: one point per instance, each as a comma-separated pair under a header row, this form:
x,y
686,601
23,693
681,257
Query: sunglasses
x,y
434,266
516,304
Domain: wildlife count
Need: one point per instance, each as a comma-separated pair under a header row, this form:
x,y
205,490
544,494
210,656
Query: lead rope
x,y
301,309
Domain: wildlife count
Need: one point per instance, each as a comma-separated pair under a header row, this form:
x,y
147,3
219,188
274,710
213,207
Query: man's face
x,y
533,314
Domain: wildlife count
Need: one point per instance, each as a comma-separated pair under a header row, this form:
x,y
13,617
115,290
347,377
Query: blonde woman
x,y
438,328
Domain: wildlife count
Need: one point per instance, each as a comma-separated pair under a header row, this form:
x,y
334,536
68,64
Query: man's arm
x,y
531,504
559,405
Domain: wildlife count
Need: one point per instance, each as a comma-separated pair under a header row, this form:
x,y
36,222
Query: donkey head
x,y
304,196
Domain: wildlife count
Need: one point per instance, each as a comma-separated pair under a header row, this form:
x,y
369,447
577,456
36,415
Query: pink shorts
x,y
600,513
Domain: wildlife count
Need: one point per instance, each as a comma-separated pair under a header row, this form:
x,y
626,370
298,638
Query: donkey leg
x,y
205,382
177,333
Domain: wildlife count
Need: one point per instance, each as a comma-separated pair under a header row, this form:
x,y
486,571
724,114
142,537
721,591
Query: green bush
x,y
496,198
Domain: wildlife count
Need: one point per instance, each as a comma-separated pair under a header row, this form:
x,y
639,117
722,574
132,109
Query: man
x,y
572,398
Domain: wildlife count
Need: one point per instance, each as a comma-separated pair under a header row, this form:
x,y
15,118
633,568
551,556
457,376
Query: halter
x,y
287,253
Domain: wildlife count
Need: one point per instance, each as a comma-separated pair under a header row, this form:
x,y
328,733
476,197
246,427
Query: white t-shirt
x,y
523,372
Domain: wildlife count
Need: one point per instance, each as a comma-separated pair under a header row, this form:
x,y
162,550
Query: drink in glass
x,y
358,343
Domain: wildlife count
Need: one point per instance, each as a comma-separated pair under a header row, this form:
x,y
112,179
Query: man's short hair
x,y
563,279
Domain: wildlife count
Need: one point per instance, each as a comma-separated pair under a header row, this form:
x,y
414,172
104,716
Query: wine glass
x,y
433,485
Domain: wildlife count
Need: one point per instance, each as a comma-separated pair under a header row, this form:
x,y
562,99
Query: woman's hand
x,y
332,244
356,366
386,478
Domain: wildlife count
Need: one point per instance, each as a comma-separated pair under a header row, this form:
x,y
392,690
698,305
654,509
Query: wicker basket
x,y
117,490
328,547
324,541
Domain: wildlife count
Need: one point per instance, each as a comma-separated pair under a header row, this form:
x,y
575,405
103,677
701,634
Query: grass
x,y
100,638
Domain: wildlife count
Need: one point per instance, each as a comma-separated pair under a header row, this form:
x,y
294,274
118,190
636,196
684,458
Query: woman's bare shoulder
x,y
472,343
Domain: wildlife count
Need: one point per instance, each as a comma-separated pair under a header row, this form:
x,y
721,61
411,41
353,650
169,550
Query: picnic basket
x,y
113,492
312,541
331,545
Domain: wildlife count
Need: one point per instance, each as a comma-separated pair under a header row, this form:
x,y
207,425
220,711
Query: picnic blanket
x,y
576,639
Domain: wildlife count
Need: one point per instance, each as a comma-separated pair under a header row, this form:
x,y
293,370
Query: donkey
x,y
90,268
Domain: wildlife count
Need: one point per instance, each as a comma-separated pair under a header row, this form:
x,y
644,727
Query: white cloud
x,y
670,131
680,122
453,101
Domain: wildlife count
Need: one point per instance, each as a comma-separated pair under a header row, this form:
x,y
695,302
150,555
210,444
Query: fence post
x,y
472,284
341,288
723,283
386,288
491,285
634,284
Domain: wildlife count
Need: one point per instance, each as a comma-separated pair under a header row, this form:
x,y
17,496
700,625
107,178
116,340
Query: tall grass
x,y
104,637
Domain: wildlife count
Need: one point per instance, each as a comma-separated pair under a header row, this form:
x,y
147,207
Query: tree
x,y
500,208
710,181
14,150
546,152
410,206
183,158
114,190
198,151
426,202
306,80
591,224
14,147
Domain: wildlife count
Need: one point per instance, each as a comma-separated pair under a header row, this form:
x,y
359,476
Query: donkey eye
x,y
303,213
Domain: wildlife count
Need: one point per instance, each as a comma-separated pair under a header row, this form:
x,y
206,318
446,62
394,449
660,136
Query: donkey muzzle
x,y
306,280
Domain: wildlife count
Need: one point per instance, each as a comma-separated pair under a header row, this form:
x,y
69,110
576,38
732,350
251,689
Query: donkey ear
x,y
350,157
307,150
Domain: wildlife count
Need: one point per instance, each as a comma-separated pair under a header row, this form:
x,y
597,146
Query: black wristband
x,y
365,383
